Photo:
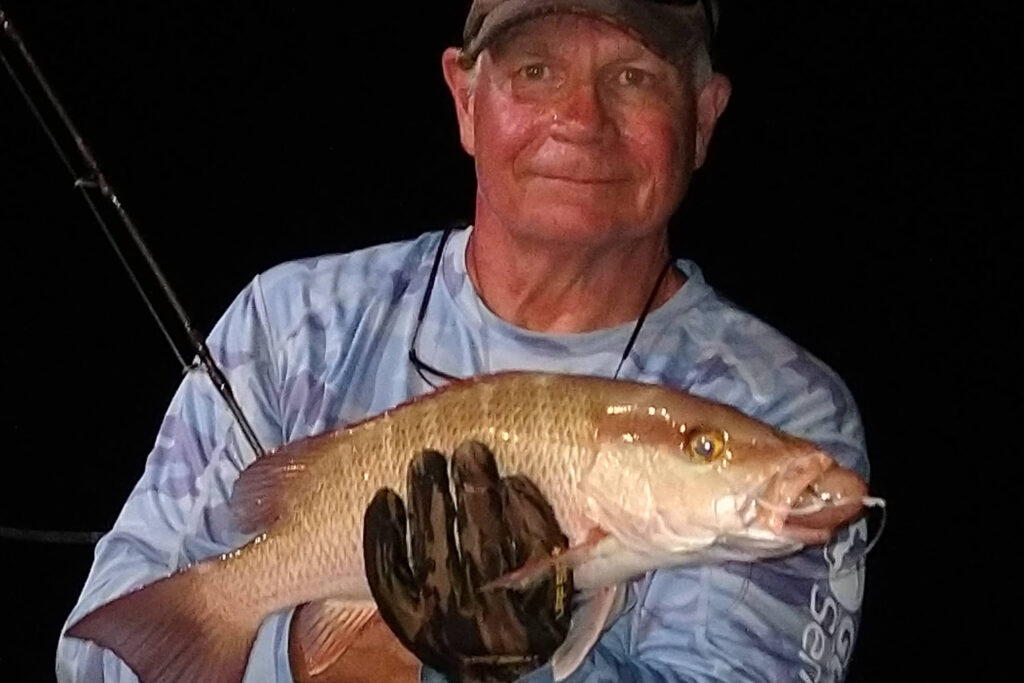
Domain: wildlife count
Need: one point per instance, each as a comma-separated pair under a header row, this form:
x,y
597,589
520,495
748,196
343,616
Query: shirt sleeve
x,y
177,512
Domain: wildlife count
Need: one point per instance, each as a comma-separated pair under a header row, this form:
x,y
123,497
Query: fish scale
x,y
531,440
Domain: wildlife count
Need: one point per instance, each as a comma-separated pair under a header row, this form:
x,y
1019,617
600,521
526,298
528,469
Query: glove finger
x,y
483,538
545,605
387,566
486,548
435,558
531,521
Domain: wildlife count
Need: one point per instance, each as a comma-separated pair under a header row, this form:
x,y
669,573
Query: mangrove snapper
x,y
640,477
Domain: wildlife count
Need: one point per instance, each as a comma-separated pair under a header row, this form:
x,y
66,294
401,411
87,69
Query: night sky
x,y
856,198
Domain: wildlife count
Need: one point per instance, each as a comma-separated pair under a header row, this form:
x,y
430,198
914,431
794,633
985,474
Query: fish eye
x,y
706,444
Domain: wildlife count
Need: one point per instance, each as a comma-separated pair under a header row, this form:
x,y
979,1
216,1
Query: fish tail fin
x,y
175,629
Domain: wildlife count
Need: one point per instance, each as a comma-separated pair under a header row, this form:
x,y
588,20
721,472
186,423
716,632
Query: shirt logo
x,y
828,638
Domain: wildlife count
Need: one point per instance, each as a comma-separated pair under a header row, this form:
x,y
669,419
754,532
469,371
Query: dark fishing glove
x,y
432,600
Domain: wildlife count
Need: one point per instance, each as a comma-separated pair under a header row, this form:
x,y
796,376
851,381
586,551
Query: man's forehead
x,y
563,31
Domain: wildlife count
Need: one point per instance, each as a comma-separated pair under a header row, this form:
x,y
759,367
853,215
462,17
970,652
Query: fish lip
x,y
785,506
845,492
787,486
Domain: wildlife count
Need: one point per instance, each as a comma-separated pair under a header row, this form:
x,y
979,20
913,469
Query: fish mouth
x,y
811,498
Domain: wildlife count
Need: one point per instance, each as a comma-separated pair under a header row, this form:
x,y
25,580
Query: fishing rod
x,y
94,180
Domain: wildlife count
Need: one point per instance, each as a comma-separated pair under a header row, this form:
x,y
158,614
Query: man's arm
x,y
177,513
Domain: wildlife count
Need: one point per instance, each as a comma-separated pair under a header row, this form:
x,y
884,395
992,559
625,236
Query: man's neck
x,y
564,287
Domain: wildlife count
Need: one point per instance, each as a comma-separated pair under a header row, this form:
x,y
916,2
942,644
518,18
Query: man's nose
x,y
580,114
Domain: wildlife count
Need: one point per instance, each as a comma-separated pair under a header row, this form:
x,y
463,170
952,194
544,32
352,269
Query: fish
x,y
640,476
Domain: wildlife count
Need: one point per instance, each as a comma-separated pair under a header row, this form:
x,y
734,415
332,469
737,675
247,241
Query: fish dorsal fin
x,y
327,629
261,492
589,619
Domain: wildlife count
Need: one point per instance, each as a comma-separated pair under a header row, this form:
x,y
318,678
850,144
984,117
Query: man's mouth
x,y
581,179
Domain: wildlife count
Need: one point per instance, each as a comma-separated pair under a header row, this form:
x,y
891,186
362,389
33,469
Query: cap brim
x,y
671,31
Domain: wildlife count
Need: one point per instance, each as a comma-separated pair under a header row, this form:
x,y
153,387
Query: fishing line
x,y
850,565
58,537
95,179
851,562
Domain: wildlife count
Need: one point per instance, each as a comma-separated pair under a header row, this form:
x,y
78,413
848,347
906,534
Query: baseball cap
x,y
670,28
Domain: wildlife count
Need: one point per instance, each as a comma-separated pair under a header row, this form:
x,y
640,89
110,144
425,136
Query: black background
x,y
856,197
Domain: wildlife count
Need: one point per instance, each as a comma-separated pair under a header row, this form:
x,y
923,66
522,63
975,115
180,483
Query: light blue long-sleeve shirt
x,y
314,344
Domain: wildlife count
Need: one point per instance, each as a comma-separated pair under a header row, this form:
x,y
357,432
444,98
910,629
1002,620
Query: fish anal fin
x,y
589,618
261,492
326,629
174,630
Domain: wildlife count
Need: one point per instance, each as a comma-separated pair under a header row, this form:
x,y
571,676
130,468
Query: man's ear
x,y
711,102
458,79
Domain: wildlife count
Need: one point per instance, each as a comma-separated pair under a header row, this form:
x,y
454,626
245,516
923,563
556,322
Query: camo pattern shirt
x,y
317,343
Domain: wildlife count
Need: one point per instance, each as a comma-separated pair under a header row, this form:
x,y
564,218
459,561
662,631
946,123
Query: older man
x,y
586,120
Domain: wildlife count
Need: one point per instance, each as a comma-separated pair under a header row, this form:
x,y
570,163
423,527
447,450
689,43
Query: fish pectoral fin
x,y
589,618
263,489
536,569
327,628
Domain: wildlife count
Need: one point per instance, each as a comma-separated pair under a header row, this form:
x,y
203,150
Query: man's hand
x,y
432,600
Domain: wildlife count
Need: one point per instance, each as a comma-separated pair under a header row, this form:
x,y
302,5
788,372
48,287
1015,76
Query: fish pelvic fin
x,y
326,629
174,630
589,618
265,488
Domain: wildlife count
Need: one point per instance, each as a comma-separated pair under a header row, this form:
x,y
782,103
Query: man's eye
x,y
534,72
632,76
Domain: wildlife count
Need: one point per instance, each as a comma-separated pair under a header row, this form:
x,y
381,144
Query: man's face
x,y
580,133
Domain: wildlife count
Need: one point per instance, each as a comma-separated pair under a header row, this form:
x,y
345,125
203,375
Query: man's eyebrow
x,y
632,56
633,50
523,44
